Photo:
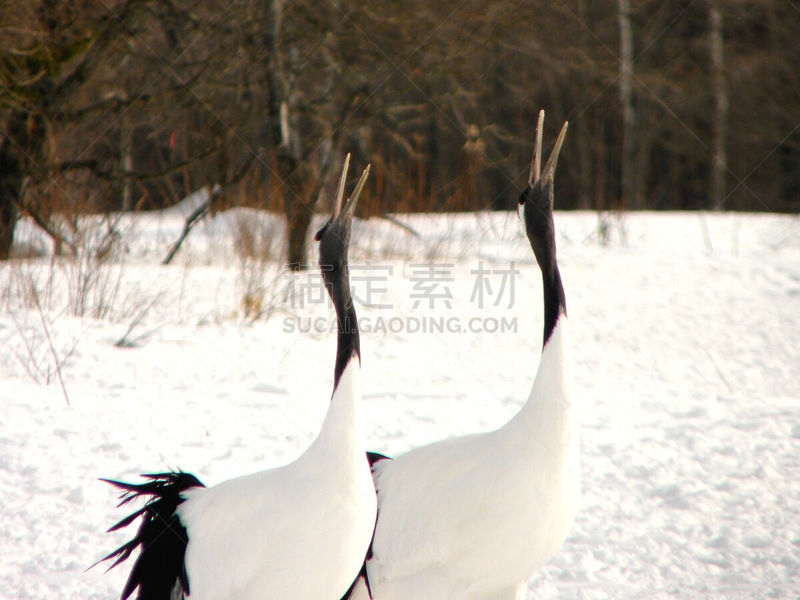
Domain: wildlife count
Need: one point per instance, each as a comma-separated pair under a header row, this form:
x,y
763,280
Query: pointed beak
x,y
340,213
536,163
549,171
337,205
350,206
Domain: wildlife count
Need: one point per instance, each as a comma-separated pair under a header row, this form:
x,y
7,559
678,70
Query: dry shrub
x,y
257,241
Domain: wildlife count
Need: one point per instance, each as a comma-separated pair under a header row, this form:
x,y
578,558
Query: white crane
x,y
298,531
473,517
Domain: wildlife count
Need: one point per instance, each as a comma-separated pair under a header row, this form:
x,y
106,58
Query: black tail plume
x,y
161,537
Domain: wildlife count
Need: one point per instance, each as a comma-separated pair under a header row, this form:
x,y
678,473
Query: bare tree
x,y
719,165
628,161
133,104
48,54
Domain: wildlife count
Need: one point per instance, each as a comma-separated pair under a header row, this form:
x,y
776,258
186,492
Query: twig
x,y
206,206
191,220
719,370
124,342
52,348
44,225
401,225
31,358
29,348
27,367
93,166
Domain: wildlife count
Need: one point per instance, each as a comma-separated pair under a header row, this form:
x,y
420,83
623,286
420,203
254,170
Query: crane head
x,y
537,198
536,201
334,236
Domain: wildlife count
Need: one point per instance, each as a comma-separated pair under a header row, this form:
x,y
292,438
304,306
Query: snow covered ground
x,y
686,363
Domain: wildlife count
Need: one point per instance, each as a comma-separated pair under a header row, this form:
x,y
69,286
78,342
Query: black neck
x,y
543,241
348,341
555,302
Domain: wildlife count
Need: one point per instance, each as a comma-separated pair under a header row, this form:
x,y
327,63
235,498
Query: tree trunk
x,y
629,199
281,137
719,164
126,155
11,177
8,213
298,221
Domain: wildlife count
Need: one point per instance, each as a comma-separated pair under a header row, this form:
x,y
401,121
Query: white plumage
x,y
473,517
298,531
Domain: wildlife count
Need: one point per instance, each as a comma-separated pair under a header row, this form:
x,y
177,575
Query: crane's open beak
x,y
549,171
546,174
346,213
536,163
337,205
342,215
350,206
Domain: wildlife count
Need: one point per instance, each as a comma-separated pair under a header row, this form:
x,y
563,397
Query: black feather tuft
x,y
161,537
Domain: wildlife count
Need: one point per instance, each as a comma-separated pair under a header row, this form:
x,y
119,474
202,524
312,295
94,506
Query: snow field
x,y
686,365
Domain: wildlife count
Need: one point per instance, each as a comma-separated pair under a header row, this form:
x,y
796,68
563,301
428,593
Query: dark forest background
x,y
109,105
